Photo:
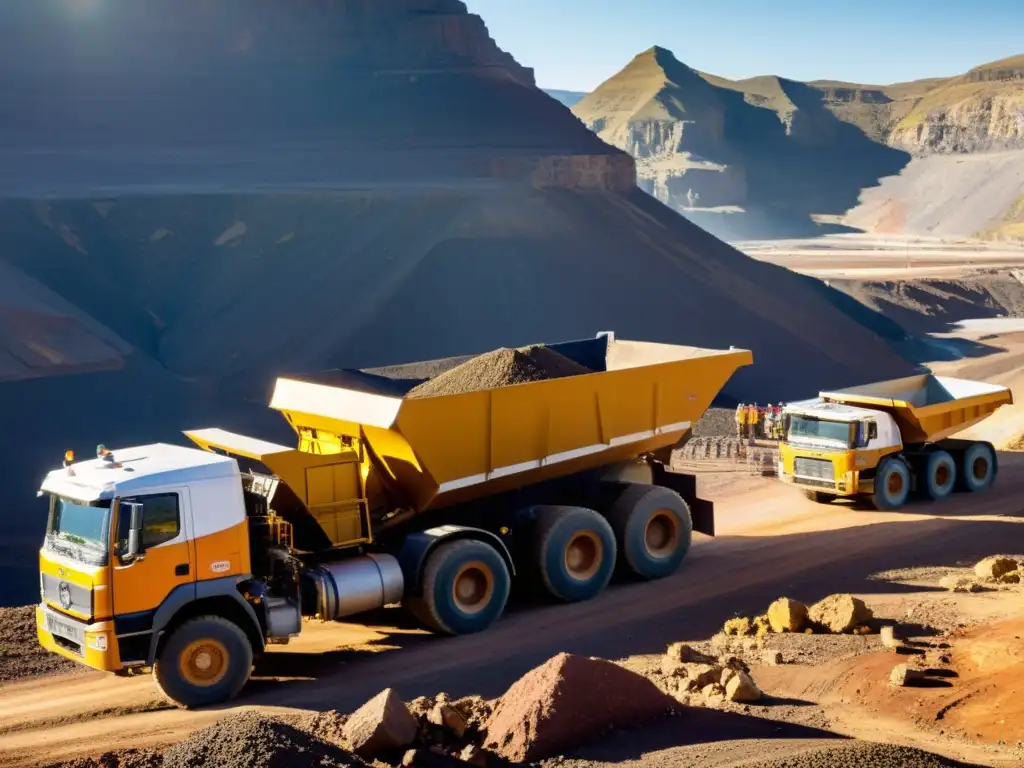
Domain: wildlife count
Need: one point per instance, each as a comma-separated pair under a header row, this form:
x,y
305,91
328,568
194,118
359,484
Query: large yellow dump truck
x,y
887,440
180,561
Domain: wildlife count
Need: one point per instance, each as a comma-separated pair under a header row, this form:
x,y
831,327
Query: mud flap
x,y
702,511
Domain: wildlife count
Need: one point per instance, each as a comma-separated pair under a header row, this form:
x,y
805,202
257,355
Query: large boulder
x,y
993,568
785,615
840,614
567,701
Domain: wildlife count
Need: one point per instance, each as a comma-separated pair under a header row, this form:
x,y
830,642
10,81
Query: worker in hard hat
x,y
741,420
753,420
768,429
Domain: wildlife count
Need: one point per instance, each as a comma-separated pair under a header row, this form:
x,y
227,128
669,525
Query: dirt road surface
x,y
771,542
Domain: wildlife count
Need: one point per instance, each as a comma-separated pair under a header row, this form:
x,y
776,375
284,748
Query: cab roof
x,y
136,470
829,411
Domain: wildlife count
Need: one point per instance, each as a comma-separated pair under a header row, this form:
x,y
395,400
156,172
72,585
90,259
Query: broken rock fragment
x,y
742,688
840,614
993,568
740,626
903,675
381,725
956,583
785,615
1012,577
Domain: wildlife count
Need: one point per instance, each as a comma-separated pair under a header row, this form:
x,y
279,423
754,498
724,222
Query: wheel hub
x,y
203,662
473,587
661,536
583,555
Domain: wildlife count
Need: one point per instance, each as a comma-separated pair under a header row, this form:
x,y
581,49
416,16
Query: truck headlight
x,y
97,642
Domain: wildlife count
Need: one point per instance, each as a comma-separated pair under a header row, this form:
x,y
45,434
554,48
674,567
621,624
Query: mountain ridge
x,y
703,144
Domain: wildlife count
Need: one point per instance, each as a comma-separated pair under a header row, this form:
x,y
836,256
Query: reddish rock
x,y
381,725
567,701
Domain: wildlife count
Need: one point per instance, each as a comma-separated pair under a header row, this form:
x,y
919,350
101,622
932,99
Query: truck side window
x,y
872,430
161,520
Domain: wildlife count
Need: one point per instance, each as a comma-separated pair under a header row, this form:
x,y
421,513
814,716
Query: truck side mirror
x,y
134,548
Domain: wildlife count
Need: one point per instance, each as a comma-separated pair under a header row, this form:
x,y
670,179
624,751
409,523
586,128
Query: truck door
x,y
166,561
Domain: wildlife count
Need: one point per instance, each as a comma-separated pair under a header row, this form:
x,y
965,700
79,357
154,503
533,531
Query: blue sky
x,y
576,44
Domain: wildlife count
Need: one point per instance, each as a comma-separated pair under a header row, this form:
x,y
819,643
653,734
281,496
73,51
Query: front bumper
x,y
94,645
849,484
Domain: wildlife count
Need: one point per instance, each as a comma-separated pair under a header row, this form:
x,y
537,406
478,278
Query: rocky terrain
x,y
177,236
800,686
772,157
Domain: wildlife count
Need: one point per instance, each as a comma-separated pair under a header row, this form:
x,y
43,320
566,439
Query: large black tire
x,y
465,588
978,467
205,661
892,484
939,475
573,553
653,530
819,497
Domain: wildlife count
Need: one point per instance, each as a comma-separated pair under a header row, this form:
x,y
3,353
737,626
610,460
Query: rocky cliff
x,y
980,111
790,158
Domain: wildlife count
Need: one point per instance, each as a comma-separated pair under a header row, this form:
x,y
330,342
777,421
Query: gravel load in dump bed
x,y
499,369
21,655
252,740
862,755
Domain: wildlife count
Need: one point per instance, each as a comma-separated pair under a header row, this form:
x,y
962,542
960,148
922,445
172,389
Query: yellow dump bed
x,y
367,451
927,408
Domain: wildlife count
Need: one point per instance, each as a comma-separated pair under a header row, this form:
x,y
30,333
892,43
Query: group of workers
x,y
754,421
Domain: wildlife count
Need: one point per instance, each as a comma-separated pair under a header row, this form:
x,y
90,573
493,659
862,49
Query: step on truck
x,y
888,440
188,562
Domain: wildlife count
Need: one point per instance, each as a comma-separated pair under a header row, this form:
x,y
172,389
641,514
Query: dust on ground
x,y
21,655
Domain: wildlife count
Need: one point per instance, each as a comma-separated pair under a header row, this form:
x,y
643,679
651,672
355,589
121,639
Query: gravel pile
x,y
126,758
861,755
21,655
252,740
499,369
716,422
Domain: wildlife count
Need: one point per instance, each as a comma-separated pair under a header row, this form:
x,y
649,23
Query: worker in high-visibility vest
x,y
753,419
741,420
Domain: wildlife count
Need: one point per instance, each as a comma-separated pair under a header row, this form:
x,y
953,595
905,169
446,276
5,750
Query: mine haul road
x,y
771,542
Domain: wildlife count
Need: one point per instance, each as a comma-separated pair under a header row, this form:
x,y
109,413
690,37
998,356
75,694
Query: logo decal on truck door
x,y
221,566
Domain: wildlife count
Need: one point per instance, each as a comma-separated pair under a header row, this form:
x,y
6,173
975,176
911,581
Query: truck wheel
x,y
979,467
939,475
653,529
820,497
465,587
207,660
574,552
892,484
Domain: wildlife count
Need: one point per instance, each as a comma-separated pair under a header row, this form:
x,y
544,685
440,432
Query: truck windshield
x,y
78,530
807,429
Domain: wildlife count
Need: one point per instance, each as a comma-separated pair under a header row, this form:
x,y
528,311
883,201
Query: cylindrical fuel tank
x,y
357,585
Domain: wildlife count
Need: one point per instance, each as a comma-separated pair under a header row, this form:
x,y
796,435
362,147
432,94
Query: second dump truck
x,y
886,440
176,560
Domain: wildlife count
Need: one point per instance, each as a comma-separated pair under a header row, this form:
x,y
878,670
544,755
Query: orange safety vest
x,y
753,415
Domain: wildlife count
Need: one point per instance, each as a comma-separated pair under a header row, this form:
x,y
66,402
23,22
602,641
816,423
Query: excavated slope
x,y
315,185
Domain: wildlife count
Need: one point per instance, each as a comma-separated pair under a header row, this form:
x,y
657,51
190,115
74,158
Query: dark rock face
x,y
132,96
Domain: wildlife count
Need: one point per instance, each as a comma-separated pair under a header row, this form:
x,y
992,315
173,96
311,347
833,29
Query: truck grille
x,y
817,468
75,598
